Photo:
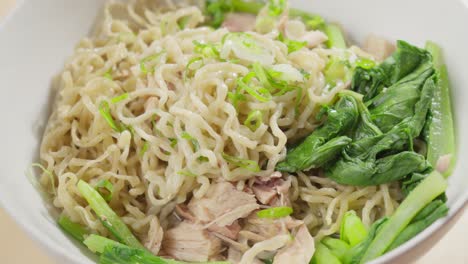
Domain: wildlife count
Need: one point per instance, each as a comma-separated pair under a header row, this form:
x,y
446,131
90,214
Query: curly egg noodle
x,y
176,130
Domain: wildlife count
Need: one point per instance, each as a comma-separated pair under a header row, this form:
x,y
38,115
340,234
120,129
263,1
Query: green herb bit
x,y
105,189
206,50
77,231
173,142
275,212
144,149
254,120
260,93
276,7
183,21
119,98
202,159
187,173
108,75
107,216
147,60
242,163
365,63
193,141
104,109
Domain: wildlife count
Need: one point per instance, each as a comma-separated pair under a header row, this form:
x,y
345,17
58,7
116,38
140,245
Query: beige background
x,y
17,248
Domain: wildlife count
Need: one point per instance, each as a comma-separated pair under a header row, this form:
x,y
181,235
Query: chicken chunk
x,y
223,205
300,251
189,242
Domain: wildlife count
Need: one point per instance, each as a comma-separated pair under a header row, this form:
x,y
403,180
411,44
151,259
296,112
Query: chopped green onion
x,y
108,75
147,60
119,98
104,109
242,163
365,63
188,68
182,22
335,37
77,231
275,212
173,142
352,229
430,188
261,74
107,216
236,97
187,173
206,50
254,120
105,189
260,93
193,141
48,173
276,7
310,20
144,149
293,45
202,159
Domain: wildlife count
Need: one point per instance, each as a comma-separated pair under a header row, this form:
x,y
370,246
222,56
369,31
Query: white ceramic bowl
x,y
37,38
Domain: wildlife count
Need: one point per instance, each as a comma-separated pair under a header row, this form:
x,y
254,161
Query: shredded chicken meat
x,y
190,242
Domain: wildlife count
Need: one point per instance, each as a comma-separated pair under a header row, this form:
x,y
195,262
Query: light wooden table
x,y
17,248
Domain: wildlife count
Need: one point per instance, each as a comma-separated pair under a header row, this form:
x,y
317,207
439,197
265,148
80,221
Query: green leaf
x,y
275,212
352,229
431,187
242,163
276,7
107,216
326,142
77,231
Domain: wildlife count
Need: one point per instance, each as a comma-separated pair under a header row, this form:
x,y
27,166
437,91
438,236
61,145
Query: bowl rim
x,y
56,251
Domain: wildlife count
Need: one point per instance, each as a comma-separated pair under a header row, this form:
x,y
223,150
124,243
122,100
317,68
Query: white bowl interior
x,y
37,39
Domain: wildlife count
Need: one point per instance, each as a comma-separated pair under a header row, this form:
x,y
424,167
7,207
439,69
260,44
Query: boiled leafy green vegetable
x,y
440,136
327,142
107,216
430,188
352,229
335,36
77,231
337,247
323,255
374,145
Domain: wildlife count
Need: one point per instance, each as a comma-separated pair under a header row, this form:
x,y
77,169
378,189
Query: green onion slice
x,y
254,120
242,163
193,141
105,189
275,212
119,98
